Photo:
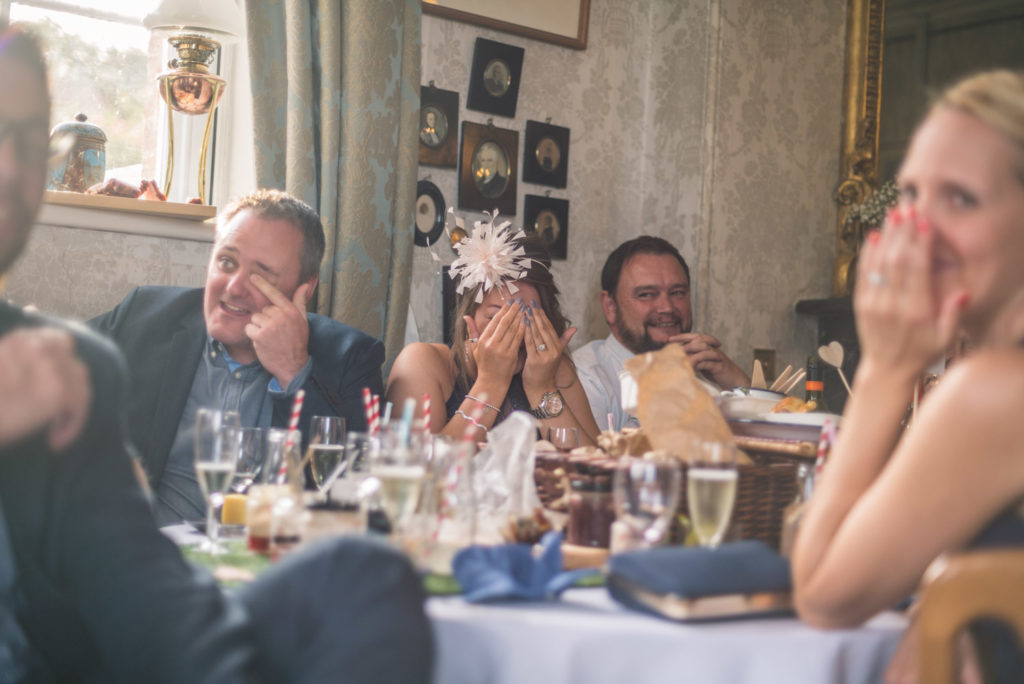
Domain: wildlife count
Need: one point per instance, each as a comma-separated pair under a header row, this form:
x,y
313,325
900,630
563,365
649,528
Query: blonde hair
x,y
995,97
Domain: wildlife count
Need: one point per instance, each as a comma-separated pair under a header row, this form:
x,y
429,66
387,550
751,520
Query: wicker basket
x,y
765,489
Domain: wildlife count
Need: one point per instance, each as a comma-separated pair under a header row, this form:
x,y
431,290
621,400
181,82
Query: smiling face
x,y
24,147
493,302
248,244
964,178
650,304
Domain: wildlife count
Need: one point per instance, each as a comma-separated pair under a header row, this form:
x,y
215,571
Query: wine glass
x,y
216,454
646,492
711,481
564,438
326,451
400,468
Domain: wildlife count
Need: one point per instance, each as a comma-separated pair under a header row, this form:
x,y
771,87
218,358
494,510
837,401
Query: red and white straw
x,y
368,408
293,421
375,415
426,416
828,436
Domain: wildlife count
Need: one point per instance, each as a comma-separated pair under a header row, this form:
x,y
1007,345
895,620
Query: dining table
x,y
585,637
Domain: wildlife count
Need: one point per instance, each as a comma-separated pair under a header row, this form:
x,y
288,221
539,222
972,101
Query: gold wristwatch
x,y
551,406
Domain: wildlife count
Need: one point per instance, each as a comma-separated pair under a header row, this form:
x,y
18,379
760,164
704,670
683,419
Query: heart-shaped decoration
x,y
832,354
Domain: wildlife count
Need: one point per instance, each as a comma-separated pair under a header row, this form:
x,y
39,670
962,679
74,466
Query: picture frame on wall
x,y
548,217
494,79
546,154
439,123
488,167
428,215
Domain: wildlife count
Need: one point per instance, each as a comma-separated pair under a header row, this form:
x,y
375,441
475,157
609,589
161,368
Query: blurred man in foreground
x,y
645,296
90,590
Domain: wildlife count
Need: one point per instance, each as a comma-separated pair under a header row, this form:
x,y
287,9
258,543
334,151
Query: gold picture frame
x,y
564,23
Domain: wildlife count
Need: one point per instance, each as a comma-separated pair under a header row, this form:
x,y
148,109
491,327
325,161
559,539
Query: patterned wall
x,y
714,124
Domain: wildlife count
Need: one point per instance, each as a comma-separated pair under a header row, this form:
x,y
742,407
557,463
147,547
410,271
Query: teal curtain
x,y
336,96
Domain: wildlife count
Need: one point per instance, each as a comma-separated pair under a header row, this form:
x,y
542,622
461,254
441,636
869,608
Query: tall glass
x,y
216,453
250,459
273,506
646,493
711,482
400,468
326,451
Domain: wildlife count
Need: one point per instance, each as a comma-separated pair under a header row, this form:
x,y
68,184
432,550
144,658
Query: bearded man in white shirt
x,y
645,297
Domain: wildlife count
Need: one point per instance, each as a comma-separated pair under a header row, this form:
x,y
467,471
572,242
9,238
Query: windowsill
x,y
124,215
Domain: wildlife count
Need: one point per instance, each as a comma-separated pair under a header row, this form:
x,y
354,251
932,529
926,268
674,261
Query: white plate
x,y
803,427
815,419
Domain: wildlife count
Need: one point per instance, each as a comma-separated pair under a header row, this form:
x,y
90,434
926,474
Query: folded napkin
x,y
670,581
512,571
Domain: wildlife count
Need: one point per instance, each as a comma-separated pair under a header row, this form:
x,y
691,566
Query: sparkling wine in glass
x,y
400,467
711,482
646,493
326,451
216,455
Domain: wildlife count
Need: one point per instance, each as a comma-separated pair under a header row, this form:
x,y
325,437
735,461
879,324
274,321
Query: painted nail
x,y
896,216
874,236
533,303
923,227
525,318
963,300
911,214
510,302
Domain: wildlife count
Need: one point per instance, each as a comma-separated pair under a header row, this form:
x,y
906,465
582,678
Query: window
x,y
104,63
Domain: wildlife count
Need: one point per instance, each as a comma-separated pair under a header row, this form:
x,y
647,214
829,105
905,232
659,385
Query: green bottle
x,y
814,385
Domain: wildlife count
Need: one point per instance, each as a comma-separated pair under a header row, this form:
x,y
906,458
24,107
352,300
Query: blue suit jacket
x,y
161,332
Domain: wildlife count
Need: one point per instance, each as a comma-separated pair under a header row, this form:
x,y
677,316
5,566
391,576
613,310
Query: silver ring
x,y
876,279
474,340
541,347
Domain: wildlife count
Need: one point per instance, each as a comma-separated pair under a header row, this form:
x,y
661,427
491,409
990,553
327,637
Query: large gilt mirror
x,y
899,53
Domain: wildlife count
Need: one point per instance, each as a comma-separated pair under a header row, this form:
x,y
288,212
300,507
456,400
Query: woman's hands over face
x,y
543,350
496,350
902,323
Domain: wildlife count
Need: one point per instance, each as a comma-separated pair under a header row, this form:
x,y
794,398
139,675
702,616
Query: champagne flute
x,y
564,438
216,454
711,481
326,451
646,492
400,468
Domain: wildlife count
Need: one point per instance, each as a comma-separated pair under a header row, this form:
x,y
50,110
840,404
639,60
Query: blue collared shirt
x,y
219,382
15,652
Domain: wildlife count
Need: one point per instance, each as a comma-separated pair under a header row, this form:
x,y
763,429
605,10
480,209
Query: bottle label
x,y
815,385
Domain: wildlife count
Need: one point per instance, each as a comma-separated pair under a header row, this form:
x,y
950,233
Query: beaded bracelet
x,y
471,419
479,401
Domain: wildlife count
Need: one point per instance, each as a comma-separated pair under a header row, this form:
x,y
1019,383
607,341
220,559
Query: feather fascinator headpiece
x,y
490,256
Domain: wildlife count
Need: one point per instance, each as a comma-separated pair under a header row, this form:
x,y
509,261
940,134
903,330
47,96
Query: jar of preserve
x,y
591,511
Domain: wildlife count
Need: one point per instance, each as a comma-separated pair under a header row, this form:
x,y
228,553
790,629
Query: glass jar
x,y
591,512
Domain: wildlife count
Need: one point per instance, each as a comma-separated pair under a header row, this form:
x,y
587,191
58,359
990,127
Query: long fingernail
x,y
963,300
509,302
874,236
533,303
527,321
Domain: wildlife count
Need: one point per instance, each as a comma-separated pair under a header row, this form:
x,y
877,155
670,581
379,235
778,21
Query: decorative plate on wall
x,y
546,154
494,80
439,121
488,165
429,214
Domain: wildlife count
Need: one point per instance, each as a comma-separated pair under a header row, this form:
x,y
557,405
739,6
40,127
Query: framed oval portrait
x,y
439,124
490,169
546,154
429,214
433,126
497,77
548,217
494,78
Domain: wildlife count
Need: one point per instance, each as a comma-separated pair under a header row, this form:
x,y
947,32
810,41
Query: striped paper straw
x,y
828,435
375,414
426,416
474,418
293,425
611,422
386,418
368,408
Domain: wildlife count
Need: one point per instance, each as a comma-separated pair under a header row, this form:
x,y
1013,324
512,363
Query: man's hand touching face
x,y
280,331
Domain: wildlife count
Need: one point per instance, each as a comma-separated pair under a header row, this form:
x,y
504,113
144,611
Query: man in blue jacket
x,y
243,343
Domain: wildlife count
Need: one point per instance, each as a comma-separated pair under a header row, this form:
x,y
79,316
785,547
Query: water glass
x,y
645,492
249,463
711,483
326,451
274,502
564,438
216,453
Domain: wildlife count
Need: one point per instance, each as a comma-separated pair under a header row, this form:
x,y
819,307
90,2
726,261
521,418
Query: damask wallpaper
x,y
714,124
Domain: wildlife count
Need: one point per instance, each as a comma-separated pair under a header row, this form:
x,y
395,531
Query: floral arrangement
x,y
871,212
489,255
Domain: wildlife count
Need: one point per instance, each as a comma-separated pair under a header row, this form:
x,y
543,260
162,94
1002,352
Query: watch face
x,y
552,403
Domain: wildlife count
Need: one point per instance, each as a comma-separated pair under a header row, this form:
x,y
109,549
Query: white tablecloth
x,y
587,638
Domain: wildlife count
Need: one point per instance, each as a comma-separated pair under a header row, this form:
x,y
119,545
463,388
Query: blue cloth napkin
x,y
663,581
511,571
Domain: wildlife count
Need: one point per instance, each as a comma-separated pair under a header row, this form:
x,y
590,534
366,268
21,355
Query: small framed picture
x,y
439,121
548,217
429,216
488,168
494,80
546,154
